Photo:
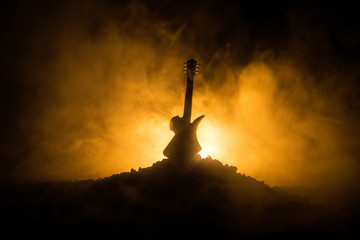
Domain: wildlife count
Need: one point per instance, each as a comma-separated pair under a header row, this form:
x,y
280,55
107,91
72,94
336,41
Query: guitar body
x,y
185,142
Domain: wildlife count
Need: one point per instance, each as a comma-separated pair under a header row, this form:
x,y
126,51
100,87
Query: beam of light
x,y
210,138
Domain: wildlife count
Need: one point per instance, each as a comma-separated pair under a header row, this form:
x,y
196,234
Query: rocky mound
x,y
171,199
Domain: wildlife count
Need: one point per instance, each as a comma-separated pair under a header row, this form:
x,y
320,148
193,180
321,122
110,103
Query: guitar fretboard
x,y
188,100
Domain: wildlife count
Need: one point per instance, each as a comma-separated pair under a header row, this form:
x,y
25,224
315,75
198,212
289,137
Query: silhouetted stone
x,y
171,199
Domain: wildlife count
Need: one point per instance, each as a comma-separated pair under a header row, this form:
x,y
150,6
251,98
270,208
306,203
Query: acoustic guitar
x,y
185,144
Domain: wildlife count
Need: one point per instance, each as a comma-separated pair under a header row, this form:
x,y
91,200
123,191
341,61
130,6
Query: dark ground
x,y
171,199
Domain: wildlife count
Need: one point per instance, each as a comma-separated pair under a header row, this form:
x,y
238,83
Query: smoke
x,y
97,83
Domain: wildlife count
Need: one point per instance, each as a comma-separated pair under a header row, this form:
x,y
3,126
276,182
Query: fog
x,y
90,87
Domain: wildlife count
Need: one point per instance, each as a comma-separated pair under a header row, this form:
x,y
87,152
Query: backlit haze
x,y
90,89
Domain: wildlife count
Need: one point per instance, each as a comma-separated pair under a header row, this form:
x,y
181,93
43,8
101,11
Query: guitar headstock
x,y
191,68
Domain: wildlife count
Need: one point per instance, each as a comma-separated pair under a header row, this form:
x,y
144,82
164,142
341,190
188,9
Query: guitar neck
x,y
188,100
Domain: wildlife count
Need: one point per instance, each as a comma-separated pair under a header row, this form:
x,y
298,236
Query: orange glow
x,y
108,103
251,125
209,138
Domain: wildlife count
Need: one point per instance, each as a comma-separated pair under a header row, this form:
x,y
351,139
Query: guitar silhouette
x,y
185,143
